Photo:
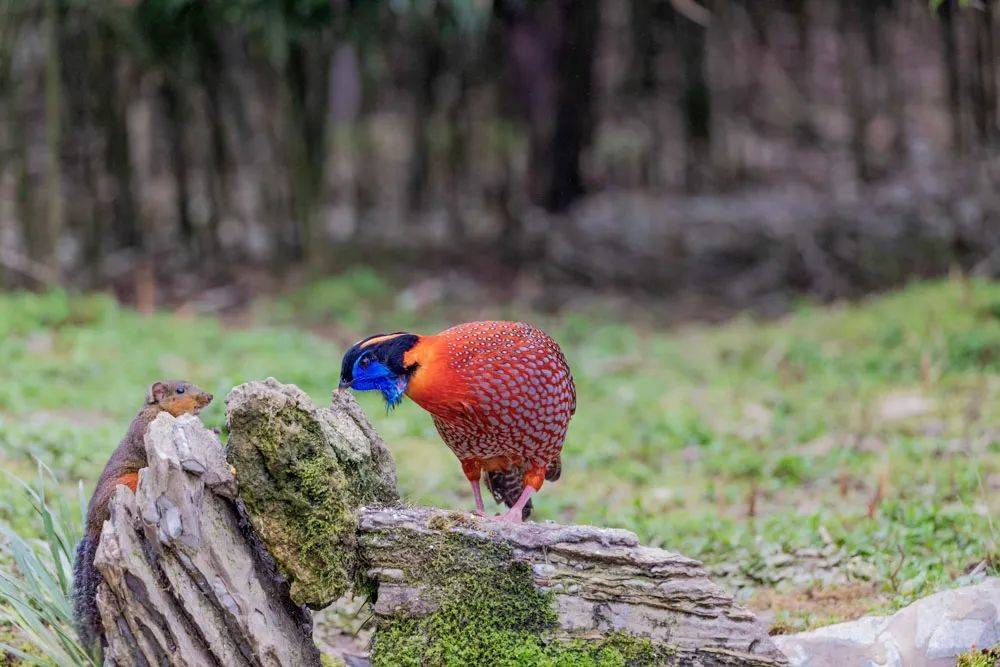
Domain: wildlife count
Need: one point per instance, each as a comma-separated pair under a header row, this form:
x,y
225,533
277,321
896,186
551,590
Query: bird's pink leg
x,y
477,493
473,470
533,481
513,515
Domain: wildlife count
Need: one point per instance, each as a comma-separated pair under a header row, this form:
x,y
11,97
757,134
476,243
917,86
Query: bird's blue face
x,y
377,364
370,374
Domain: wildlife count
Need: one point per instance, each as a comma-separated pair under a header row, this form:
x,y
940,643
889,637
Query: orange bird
x,y
501,395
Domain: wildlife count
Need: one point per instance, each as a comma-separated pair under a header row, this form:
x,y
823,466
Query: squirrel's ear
x,y
157,392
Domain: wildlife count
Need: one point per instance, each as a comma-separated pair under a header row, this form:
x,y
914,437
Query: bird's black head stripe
x,y
390,352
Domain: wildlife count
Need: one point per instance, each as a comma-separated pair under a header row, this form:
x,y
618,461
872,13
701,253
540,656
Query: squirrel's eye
x,y
180,390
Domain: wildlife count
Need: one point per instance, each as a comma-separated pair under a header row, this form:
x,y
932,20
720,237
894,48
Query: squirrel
x,y
175,397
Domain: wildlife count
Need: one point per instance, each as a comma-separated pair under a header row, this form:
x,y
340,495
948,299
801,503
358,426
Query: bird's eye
x,y
365,361
180,390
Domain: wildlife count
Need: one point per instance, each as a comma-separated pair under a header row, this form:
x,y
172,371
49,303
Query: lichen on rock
x,y
303,472
455,590
485,609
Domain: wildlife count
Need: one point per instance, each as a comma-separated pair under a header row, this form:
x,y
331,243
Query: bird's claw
x,y
478,513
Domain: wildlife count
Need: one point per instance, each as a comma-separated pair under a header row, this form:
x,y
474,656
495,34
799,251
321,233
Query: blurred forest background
x,y
741,151
266,182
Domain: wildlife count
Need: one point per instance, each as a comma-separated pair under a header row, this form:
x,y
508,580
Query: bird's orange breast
x,y
495,389
436,386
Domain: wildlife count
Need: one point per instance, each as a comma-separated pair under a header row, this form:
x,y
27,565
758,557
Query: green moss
x,y
302,486
490,612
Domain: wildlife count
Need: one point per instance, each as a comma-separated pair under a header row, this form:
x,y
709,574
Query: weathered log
x,y
188,584
185,580
456,585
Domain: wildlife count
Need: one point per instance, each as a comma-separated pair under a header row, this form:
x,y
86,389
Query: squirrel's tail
x,y
86,578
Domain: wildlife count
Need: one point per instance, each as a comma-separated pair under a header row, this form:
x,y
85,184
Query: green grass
x,y
36,617
679,434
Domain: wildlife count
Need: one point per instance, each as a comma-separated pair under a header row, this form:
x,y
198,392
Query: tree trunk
x,y
125,225
946,12
306,85
646,26
53,141
430,60
6,104
365,172
459,128
574,101
855,95
802,71
173,108
187,581
985,82
211,68
895,83
695,102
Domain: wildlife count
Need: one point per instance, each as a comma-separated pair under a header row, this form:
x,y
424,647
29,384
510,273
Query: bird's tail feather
x,y
507,485
554,471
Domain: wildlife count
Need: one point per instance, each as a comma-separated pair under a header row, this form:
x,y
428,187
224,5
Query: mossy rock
x,y
303,472
487,610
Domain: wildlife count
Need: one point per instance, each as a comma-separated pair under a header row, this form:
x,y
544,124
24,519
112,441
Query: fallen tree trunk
x,y
187,582
454,584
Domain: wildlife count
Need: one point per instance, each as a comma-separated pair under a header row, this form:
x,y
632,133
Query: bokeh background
x,y
767,235
739,150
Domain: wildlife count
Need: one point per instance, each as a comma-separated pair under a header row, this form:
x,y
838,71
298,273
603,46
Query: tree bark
x,y
574,119
695,101
306,93
984,81
429,62
115,93
211,70
852,68
174,110
53,140
188,582
185,581
953,79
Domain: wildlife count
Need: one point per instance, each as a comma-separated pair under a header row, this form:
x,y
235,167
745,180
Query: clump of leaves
x,y
36,583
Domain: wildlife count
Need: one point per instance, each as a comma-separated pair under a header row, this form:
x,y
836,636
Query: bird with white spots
x,y
501,395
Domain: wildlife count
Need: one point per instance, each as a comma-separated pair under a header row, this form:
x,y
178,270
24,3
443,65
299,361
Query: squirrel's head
x,y
177,397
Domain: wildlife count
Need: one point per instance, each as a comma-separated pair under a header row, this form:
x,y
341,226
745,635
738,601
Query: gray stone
x,y
929,633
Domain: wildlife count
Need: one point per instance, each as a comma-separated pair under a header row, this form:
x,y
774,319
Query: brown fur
x,y
130,455
123,469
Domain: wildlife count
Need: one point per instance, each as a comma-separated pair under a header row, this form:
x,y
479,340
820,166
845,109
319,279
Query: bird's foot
x,y
478,512
510,516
